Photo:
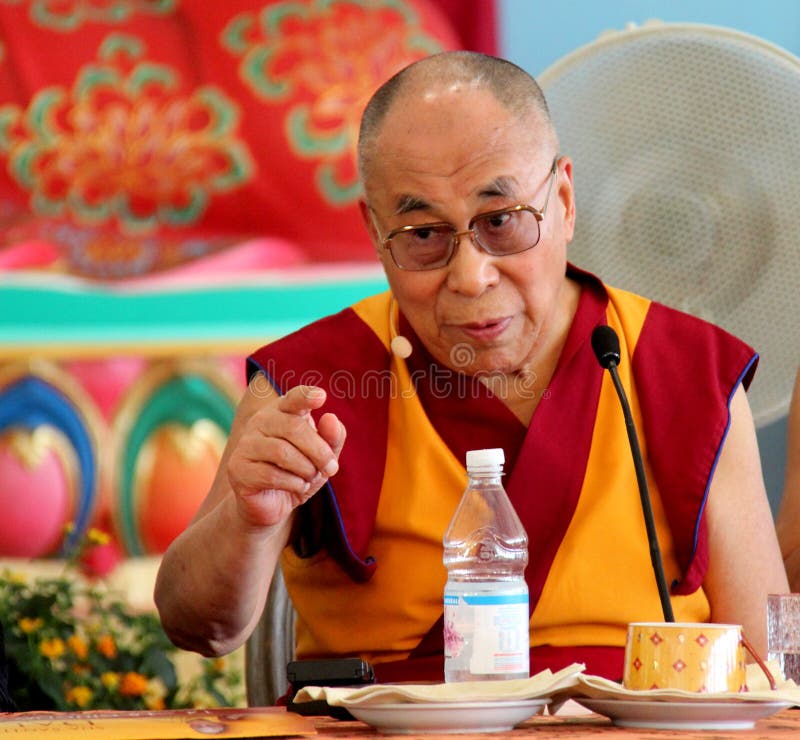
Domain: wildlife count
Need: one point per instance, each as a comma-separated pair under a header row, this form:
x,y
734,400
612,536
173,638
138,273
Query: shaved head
x,y
511,86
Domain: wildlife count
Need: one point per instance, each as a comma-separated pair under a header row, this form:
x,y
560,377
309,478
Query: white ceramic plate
x,y
684,715
450,717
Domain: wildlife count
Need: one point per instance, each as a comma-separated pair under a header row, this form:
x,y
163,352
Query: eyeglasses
x,y
499,233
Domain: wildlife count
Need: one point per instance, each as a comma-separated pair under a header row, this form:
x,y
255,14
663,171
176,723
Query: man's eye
x,y
499,220
423,234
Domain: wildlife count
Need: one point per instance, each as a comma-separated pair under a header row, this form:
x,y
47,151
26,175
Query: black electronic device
x,y
328,672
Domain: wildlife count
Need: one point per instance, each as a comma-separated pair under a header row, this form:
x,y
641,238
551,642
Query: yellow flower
x,y
14,577
28,625
53,648
110,680
78,646
133,684
69,528
155,702
107,646
80,695
97,537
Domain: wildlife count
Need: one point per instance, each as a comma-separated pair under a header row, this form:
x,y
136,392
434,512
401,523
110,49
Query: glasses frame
x,y
456,236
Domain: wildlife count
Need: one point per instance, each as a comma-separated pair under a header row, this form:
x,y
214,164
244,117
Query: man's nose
x,y
471,270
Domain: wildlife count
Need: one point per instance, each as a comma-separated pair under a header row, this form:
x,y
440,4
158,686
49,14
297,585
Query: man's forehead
x,y
440,95
453,121
422,148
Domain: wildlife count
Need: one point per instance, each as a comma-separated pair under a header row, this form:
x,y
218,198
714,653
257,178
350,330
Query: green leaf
x,y
155,663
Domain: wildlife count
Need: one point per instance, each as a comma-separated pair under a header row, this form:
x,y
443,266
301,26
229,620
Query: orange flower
x,y
107,646
133,684
78,646
53,648
28,625
80,695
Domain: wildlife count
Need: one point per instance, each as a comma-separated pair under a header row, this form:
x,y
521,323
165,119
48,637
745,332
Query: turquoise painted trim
x,y
183,400
36,315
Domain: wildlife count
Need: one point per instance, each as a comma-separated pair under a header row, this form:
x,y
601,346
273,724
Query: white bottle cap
x,y
483,458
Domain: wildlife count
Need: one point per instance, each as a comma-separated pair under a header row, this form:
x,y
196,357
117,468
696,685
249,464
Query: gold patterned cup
x,y
697,657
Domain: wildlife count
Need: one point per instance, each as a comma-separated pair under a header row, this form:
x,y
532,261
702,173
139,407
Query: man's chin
x,y
491,365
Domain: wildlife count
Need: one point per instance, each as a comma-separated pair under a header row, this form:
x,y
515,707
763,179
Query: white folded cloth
x,y
568,683
542,685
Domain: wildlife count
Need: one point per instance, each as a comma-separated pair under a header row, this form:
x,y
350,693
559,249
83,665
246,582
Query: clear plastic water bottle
x,y
486,619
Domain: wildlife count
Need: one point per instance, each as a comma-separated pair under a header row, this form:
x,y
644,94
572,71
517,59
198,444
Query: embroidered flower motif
x,y
126,147
68,15
326,57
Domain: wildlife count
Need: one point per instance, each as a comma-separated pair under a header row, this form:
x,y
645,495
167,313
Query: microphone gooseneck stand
x,y
606,347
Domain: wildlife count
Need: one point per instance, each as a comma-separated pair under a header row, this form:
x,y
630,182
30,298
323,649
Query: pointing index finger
x,y
301,399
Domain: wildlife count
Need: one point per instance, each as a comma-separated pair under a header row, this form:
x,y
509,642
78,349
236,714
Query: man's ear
x,y
369,223
566,196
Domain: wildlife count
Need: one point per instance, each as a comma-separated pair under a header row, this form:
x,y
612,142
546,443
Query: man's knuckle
x,y
283,453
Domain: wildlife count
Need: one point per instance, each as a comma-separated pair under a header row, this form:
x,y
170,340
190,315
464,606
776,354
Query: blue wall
x,y
534,35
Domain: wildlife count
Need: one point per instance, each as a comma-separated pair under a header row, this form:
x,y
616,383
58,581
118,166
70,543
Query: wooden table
x,y
253,723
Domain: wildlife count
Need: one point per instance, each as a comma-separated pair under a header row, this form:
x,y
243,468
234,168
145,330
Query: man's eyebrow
x,y
502,185
408,203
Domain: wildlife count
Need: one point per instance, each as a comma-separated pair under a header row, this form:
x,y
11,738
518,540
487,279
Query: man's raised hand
x,y
282,457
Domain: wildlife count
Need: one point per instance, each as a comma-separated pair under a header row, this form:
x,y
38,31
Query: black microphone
x,y
605,344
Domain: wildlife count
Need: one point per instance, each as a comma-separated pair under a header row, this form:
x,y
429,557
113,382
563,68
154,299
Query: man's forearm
x,y
214,578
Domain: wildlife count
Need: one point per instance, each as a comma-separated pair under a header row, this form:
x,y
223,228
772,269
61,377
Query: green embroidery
x,y
306,55
67,17
126,146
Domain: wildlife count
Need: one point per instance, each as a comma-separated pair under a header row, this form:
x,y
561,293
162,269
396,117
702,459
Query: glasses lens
x,y
507,232
423,247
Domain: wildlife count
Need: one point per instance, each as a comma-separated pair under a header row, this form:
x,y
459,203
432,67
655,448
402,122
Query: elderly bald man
x,y
346,456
